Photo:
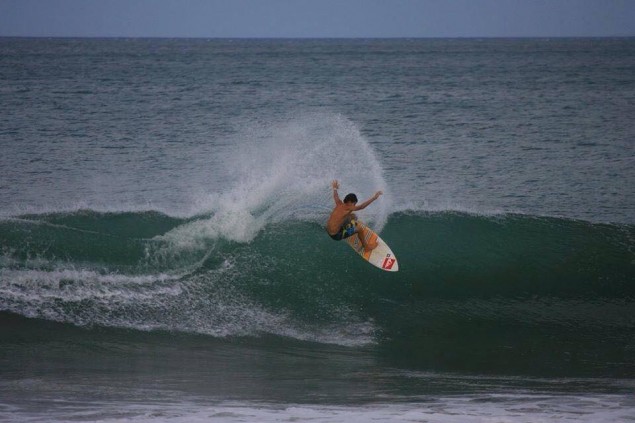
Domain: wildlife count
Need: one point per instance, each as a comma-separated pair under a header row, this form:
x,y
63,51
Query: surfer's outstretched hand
x,y
378,193
335,184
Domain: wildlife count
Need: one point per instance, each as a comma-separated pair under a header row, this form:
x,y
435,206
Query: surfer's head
x,y
350,198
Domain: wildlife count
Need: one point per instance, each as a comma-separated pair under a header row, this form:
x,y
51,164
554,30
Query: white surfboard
x,y
381,256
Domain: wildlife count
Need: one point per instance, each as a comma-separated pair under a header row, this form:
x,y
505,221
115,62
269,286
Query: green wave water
x,y
471,293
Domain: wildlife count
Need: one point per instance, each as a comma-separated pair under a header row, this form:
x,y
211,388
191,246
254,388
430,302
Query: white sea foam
x,y
237,225
207,303
51,294
486,408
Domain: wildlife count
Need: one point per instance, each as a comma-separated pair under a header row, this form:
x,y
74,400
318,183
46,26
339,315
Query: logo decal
x,y
388,263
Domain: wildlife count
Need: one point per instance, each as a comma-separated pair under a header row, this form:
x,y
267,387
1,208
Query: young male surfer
x,y
343,223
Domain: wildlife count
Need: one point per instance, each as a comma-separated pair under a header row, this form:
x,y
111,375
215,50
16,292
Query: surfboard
x,y
381,256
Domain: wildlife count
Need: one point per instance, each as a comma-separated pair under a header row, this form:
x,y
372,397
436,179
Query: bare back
x,y
344,210
338,216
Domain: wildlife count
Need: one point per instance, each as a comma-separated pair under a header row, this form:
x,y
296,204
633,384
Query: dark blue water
x,y
162,252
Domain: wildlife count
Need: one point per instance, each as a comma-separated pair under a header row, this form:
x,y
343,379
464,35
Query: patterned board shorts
x,y
347,229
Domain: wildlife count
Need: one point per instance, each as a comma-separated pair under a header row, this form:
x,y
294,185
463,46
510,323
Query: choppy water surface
x,y
162,255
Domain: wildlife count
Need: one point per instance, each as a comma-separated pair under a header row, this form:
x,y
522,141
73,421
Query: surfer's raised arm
x,y
367,202
336,186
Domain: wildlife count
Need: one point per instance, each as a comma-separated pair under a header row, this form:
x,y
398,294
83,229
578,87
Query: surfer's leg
x,y
360,230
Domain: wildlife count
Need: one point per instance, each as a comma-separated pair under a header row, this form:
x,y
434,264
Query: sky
x,y
317,18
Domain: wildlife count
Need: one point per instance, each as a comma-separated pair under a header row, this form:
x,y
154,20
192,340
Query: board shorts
x,y
347,229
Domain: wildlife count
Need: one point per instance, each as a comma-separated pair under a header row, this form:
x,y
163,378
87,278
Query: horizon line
x,y
178,37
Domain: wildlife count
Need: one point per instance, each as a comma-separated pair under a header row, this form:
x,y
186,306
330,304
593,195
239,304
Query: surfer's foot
x,y
370,247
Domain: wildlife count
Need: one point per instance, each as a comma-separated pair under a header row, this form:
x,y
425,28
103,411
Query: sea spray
x,y
282,170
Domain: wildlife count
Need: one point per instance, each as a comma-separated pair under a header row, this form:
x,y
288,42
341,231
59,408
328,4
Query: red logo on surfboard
x,y
388,262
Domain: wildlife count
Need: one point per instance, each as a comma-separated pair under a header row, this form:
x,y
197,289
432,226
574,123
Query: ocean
x,y
163,256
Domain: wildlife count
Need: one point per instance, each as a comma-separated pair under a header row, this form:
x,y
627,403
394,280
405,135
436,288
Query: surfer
x,y
343,223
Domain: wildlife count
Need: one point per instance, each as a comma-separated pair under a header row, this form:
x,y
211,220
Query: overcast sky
x,y
317,18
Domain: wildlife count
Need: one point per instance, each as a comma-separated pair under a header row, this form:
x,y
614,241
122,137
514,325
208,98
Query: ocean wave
x,y
458,272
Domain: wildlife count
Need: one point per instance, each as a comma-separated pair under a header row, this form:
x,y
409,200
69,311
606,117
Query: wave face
x,y
472,290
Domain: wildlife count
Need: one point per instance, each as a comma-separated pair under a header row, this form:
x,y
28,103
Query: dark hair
x,y
350,198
